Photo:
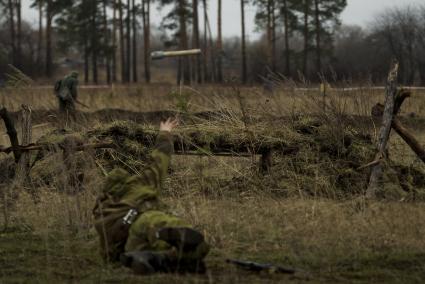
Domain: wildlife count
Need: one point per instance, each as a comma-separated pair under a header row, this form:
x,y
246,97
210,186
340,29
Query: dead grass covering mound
x,y
324,159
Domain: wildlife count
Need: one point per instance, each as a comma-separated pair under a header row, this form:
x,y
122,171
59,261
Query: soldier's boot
x,y
190,246
182,238
148,262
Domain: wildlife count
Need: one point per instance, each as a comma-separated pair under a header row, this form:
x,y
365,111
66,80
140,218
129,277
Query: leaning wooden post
x,y
11,132
384,132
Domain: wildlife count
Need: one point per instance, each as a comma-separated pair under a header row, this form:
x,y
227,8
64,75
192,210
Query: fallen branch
x,y
371,164
404,133
106,145
260,267
35,147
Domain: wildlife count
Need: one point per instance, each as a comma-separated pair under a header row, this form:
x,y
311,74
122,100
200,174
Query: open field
x,y
308,212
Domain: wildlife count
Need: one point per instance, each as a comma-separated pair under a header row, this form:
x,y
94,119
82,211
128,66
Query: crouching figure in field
x,y
66,92
134,226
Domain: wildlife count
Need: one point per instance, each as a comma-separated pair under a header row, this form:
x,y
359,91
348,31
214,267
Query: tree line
x,y
300,39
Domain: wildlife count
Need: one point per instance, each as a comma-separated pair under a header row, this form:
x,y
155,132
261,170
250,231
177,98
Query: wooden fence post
x,y
23,166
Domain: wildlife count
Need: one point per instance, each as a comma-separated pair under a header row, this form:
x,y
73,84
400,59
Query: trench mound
x,y
309,157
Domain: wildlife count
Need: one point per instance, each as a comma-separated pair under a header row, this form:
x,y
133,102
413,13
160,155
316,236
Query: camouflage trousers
x,y
142,235
142,232
67,109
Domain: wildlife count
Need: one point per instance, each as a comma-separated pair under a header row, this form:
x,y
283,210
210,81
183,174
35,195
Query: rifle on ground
x,y
260,267
81,104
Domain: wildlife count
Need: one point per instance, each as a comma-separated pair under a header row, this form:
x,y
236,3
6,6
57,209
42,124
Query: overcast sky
x,y
359,12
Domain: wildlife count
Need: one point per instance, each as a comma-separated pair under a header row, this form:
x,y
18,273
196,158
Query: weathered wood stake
x,y
23,165
384,133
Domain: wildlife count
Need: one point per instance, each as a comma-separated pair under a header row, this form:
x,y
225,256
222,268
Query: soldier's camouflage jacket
x,y
123,192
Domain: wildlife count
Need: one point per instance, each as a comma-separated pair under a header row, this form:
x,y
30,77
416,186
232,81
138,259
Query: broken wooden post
x,y
11,132
23,166
384,132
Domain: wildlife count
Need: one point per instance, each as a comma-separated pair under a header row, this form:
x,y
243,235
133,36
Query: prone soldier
x,y
135,228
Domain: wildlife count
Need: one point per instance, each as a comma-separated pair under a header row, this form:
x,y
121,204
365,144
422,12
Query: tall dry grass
x,y
48,229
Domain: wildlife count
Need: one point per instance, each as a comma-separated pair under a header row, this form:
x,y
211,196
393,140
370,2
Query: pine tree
x,y
146,38
195,43
286,14
326,17
11,11
266,19
121,38
243,44
219,43
134,27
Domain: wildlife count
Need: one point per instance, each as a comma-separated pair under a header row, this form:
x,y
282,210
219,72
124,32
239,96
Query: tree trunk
x,y
86,61
49,60
183,41
212,52
219,44
146,39
134,21
306,36
94,42
128,42
196,44
318,32
122,49
269,33
19,34
273,35
205,43
286,31
243,43
114,42
40,32
12,30
106,44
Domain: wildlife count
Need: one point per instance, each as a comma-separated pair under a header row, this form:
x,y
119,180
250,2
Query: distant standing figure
x,y
66,92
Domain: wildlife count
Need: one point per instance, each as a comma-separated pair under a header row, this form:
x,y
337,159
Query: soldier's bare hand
x,y
169,124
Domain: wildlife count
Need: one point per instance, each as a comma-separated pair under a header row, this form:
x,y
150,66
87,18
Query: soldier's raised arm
x,y
155,173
